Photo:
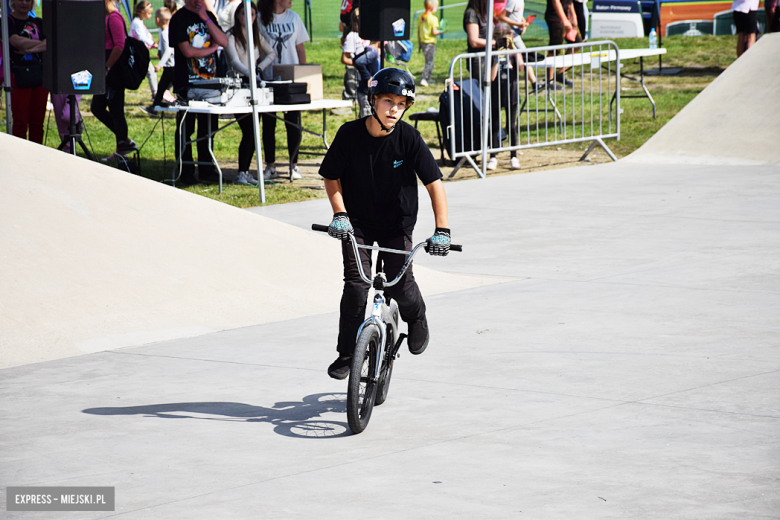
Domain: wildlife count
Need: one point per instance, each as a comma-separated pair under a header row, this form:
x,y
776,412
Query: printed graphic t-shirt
x,y
186,26
379,176
31,28
284,32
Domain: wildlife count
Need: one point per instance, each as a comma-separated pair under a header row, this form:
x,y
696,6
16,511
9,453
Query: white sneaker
x,y
514,163
295,173
423,83
492,163
270,173
245,179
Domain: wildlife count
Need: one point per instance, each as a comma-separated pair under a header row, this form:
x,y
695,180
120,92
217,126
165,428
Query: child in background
x,y
143,11
171,5
353,45
427,32
367,64
161,19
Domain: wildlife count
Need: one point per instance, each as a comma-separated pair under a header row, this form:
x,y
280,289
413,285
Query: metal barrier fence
x,y
577,110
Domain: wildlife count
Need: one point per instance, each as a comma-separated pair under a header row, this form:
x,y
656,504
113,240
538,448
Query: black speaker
x,y
385,20
75,57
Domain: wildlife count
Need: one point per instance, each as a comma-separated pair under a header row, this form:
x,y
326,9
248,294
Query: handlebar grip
x,y
456,247
319,227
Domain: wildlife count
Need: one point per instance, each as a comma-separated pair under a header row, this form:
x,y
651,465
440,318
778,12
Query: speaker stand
x,y
74,135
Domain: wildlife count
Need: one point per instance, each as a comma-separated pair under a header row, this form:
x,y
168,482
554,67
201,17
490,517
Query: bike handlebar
x,y
324,229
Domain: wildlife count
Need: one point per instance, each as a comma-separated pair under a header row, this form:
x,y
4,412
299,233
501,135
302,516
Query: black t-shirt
x,y
379,176
31,28
186,26
470,16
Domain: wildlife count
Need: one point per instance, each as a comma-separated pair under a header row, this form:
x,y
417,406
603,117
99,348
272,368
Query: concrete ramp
x,y
733,121
95,259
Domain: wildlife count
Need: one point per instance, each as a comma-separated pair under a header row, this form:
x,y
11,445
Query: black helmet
x,y
392,81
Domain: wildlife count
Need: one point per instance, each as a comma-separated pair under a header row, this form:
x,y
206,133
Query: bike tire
x,y
361,392
384,377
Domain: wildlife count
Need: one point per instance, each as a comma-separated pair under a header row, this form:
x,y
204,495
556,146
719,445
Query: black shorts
x,y
746,22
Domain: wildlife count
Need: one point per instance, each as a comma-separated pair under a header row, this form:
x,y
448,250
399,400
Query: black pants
x,y
294,136
353,301
510,109
579,10
188,170
246,148
166,80
109,109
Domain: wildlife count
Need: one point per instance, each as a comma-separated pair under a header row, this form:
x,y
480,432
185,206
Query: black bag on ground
x,y
28,75
130,69
465,129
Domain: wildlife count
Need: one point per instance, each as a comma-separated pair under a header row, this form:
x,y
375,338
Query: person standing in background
x,y
772,8
195,38
238,59
162,19
28,97
227,14
283,29
142,12
580,9
353,46
475,25
513,16
745,18
367,64
427,31
109,108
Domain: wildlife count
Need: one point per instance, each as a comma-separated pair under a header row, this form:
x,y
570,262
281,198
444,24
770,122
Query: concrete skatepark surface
x,y
612,351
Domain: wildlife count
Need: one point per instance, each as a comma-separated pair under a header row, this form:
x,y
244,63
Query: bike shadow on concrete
x,y
301,419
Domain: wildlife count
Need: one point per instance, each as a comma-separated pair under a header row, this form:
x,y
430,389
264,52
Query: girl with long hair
x,y
238,58
109,108
284,31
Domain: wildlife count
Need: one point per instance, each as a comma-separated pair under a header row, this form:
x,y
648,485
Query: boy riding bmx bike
x,y
371,173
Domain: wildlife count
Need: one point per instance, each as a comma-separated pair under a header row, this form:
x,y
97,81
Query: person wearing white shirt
x,y
512,14
238,59
143,11
745,13
283,29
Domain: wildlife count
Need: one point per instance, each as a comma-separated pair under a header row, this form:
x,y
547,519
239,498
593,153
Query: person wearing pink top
x,y
109,108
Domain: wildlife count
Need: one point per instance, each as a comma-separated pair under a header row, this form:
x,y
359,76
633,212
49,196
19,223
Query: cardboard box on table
x,y
310,74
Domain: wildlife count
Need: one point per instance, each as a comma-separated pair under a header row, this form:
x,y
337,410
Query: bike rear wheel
x,y
361,392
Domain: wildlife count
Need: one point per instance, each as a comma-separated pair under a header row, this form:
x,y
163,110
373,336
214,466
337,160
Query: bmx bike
x,y
378,339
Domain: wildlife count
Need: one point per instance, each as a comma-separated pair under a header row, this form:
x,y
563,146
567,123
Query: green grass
x,y
701,58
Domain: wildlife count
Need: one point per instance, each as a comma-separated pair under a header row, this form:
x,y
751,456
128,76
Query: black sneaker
x,y
560,78
339,369
126,146
418,336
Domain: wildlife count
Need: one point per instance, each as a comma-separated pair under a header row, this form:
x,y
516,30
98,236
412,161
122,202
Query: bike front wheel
x,y
361,391
384,376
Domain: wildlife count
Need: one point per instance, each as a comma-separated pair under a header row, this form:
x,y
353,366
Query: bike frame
x,y
381,314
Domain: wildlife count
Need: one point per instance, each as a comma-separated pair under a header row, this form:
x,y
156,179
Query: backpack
x,y
400,49
131,67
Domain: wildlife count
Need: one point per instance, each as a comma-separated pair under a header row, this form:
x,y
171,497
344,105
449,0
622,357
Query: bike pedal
x,y
397,346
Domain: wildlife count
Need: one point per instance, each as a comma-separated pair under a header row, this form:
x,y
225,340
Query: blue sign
x,y
81,80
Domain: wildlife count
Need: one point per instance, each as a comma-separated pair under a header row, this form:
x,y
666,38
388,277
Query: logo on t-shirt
x,y
200,38
396,164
